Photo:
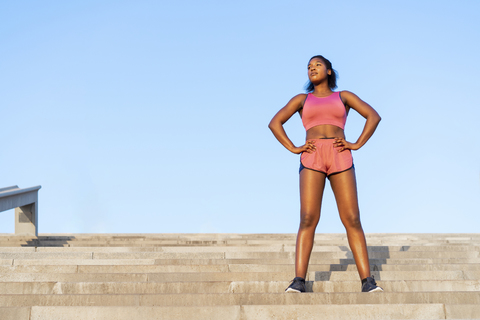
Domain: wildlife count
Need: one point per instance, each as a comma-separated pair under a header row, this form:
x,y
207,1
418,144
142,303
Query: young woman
x,y
326,154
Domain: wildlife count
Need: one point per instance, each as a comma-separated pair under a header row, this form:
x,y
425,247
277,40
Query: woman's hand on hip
x,y
343,145
309,147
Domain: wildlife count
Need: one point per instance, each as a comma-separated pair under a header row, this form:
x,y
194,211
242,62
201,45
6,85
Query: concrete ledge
x,y
319,264
25,202
226,299
15,313
73,277
334,312
406,311
6,262
260,287
148,266
248,248
140,313
81,262
462,311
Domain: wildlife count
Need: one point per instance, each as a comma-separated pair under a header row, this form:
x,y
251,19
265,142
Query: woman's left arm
x,y
366,111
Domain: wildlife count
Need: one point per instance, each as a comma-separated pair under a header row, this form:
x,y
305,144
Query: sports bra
x,y
325,110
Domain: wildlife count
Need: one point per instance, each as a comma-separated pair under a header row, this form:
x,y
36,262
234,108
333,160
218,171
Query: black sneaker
x,y
297,285
369,285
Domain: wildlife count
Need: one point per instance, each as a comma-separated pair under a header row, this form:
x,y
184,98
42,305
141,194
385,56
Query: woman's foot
x,y
369,285
297,285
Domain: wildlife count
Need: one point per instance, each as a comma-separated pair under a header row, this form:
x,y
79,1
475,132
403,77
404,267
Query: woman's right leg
x,y
312,184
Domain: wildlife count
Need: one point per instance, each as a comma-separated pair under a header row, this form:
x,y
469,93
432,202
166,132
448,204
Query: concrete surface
x,y
234,276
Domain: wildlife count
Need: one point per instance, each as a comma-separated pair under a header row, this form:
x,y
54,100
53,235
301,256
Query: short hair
x,y
332,78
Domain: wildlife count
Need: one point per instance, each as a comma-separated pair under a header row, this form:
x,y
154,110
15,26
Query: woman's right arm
x,y
276,125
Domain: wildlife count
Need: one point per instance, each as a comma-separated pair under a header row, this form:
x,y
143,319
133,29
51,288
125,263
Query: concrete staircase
x,y
235,276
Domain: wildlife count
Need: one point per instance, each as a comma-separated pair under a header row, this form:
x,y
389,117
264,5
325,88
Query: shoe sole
x,y
377,289
293,290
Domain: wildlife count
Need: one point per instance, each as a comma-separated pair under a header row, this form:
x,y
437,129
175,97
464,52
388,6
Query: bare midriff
x,y
325,131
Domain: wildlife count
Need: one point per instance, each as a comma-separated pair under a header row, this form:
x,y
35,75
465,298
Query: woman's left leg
x,y
344,187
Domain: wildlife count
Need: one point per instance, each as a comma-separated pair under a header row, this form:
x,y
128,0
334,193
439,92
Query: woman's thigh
x,y
344,187
312,184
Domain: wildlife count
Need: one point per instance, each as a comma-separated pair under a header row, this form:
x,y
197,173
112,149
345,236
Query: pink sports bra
x,y
326,110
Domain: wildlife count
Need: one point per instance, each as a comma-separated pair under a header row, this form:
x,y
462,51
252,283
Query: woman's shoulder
x,y
300,97
297,101
346,95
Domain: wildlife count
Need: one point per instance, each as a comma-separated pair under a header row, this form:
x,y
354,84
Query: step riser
x,y
238,255
226,287
222,299
314,261
246,248
178,268
372,312
235,276
290,242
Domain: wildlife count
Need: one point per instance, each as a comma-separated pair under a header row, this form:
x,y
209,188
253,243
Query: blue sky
x,y
151,116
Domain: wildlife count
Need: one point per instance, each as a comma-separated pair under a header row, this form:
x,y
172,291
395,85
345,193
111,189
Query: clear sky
x,y
151,116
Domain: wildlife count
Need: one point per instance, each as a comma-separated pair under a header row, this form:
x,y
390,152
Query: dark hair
x,y
332,78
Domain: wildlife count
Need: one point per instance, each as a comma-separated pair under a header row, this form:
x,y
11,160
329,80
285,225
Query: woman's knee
x,y
308,220
352,221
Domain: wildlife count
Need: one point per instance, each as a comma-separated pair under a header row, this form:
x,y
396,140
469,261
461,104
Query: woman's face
x,y
317,70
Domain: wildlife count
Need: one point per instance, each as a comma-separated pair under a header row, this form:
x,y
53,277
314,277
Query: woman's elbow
x,y
272,125
376,117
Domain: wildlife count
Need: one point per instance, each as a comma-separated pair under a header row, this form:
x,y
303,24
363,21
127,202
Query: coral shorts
x,y
326,158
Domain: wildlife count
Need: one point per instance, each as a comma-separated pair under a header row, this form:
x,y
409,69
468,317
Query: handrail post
x,y
25,202
26,219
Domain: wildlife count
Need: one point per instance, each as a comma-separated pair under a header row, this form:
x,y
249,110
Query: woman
x,y
326,154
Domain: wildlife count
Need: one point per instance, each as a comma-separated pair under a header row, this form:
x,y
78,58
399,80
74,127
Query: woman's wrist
x,y
293,150
356,146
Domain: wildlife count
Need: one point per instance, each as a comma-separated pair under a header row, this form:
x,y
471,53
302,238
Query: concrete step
x,y
191,237
234,276
216,269
397,275
6,262
220,276
114,269
105,288
153,246
213,239
224,299
240,248
340,255
248,312
46,255
190,240
12,313
95,262
238,255
115,255
207,261
105,267
211,242
78,277
333,264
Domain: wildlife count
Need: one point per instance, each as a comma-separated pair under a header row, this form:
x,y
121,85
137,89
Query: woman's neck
x,y
322,90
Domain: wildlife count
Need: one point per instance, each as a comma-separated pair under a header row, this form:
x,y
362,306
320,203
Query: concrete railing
x,y
25,202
